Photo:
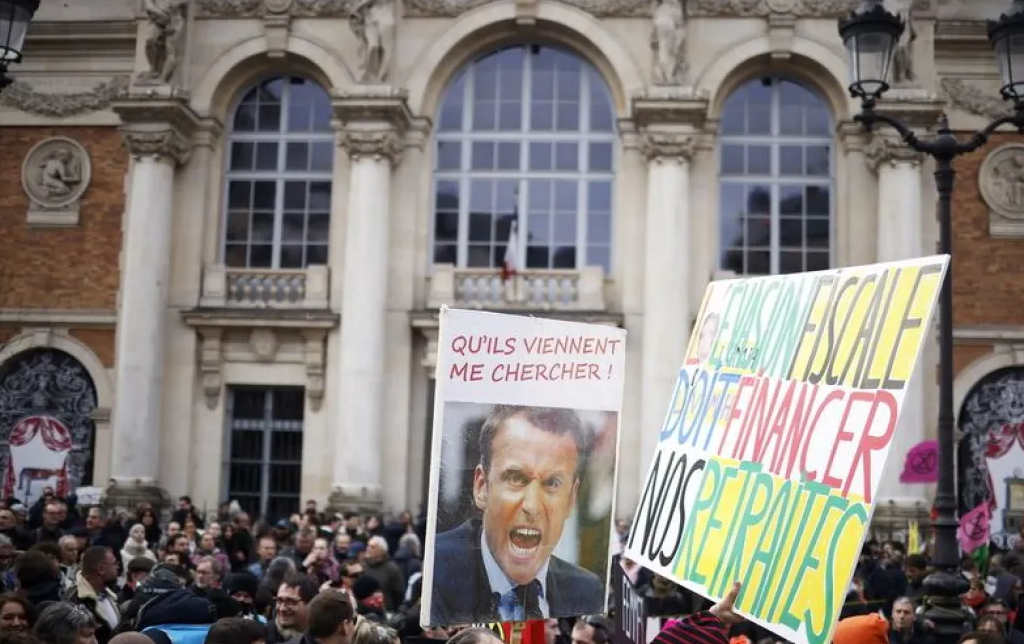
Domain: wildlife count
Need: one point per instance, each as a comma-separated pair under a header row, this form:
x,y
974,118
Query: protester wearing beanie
x,y
369,598
242,586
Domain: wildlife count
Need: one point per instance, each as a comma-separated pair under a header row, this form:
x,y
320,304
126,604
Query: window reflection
x,y
278,183
775,179
527,135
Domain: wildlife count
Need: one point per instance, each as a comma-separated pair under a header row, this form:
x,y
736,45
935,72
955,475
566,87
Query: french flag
x,y
510,266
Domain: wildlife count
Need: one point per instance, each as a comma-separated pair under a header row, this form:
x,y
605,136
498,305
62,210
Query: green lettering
x,y
712,477
746,468
809,561
791,327
812,490
726,474
855,511
769,557
748,519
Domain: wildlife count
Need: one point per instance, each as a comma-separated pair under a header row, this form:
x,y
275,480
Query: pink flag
x,y
921,464
974,528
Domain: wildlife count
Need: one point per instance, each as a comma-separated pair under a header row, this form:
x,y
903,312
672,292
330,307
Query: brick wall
x,y
62,268
988,274
101,341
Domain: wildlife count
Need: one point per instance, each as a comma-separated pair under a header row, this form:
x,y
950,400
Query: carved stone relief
x,y
974,100
22,96
1001,184
233,9
219,345
889,150
641,8
55,174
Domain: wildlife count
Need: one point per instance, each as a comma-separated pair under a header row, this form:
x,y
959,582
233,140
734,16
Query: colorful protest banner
x,y
776,435
921,464
523,467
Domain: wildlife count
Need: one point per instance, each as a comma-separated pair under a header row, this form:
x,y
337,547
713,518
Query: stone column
x,y
899,236
666,321
157,133
669,122
372,129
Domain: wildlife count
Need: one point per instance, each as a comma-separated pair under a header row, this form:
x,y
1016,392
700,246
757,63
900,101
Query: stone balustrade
x,y
536,290
254,288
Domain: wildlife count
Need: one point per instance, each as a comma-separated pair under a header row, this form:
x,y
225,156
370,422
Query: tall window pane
x,y
526,135
775,179
280,158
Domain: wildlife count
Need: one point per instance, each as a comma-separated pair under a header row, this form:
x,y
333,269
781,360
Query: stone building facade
x,y
229,223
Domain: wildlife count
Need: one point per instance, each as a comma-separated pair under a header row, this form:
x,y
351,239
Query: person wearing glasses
x,y
500,567
291,613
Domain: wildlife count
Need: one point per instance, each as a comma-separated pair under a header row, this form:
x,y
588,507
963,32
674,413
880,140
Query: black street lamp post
x,y
15,16
871,35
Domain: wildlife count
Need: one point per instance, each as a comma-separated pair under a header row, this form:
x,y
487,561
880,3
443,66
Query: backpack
x,y
176,607
178,633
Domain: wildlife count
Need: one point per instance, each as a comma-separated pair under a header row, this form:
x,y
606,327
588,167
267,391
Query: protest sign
x,y
523,467
776,436
628,607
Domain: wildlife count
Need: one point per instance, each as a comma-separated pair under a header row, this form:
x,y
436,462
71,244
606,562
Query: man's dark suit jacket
x,y
462,595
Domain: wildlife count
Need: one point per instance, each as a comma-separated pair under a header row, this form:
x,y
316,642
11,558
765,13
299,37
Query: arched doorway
x,y
992,422
47,433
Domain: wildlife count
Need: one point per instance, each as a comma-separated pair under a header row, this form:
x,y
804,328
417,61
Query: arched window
x,y
280,162
47,432
775,179
525,134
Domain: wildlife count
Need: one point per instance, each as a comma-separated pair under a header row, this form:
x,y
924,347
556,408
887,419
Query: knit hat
x,y
365,586
699,628
862,629
161,580
140,564
242,581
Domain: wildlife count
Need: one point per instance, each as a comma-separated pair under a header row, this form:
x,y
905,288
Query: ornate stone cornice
x,y
659,147
22,96
670,106
970,99
239,9
642,8
158,127
889,150
376,144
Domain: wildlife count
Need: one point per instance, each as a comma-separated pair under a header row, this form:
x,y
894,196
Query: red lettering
x,y
778,425
763,416
843,436
467,372
576,345
737,413
539,372
869,443
808,431
794,437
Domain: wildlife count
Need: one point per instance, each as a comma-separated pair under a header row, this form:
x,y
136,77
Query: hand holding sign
x,y
723,610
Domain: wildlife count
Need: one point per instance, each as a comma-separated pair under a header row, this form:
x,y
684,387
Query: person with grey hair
x,y
62,623
380,566
409,556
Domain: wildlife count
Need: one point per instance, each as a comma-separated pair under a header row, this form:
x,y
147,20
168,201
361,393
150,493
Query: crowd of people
x,y
74,575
